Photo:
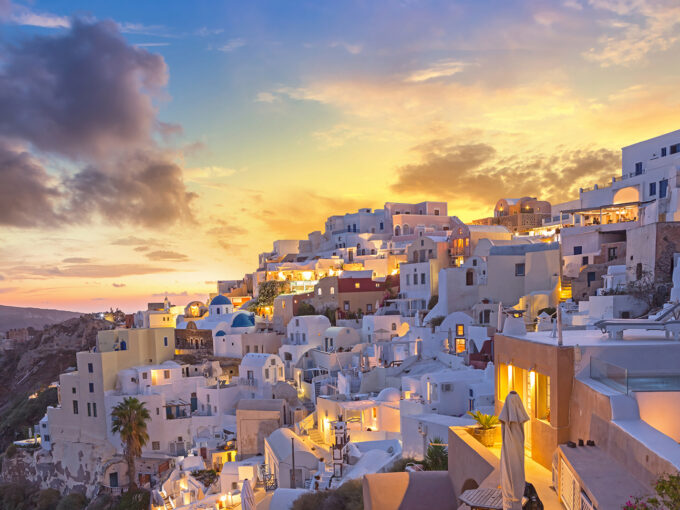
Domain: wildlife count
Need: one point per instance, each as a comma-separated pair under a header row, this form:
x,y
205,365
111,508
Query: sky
x,y
152,148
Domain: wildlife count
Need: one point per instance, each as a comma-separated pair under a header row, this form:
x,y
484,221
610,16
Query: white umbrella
x,y
247,496
512,420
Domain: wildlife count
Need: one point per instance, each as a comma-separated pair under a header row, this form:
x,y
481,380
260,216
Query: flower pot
x,y
485,436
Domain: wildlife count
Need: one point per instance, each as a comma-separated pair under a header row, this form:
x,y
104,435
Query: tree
x,y
268,290
305,308
437,457
433,302
129,419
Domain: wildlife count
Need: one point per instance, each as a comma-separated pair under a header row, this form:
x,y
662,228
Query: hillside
x,y
18,317
36,364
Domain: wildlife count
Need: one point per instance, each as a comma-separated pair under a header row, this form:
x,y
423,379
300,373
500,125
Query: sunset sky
x,y
152,147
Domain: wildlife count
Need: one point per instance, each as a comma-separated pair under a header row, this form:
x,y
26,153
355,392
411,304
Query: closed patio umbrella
x,y
247,496
512,420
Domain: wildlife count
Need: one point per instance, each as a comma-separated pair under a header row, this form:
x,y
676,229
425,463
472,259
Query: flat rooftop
x,y
594,337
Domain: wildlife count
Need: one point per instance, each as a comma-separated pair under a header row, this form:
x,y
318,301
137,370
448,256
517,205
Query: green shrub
x,y
401,464
73,501
134,500
11,451
47,499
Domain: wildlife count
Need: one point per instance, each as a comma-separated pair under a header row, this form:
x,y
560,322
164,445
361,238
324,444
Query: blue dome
x,y
220,333
243,320
220,300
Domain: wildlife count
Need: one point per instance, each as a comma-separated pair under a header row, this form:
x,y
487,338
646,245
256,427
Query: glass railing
x,y
627,381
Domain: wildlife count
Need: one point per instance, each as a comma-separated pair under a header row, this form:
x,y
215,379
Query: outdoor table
x,y
484,499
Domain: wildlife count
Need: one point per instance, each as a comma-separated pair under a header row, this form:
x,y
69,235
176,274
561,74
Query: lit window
x,y
460,330
319,292
332,290
357,285
460,345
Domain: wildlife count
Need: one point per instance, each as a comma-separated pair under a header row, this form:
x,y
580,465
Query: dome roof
x,y
220,300
220,333
243,320
389,395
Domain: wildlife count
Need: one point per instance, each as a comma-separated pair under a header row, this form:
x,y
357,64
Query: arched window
x,y
407,230
397,230
123,346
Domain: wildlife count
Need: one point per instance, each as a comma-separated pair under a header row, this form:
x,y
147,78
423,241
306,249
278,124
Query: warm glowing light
x,y
509,372
307,275
532,378
281,276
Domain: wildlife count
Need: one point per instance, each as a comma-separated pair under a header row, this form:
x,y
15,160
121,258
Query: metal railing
x,y
627,381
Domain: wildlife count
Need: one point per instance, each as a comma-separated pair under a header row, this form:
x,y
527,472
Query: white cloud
x,y
354,49
21,15
232,44
265,97
439,69
639,27
206,32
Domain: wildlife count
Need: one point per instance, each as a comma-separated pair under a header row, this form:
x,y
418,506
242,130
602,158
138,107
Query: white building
x,y
278,455
303,333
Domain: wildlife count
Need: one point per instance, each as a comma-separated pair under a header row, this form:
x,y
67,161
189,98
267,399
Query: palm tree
x,y
437,457
129,419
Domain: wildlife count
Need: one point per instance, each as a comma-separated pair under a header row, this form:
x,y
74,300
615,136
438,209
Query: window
x,y
266,373
158,411
287,356
663,188
638,168
247,349
319,292
485,316
280,371
91,387
519,269
166,374
460,329
408,279
663,152
460,345
357,285
638,271
675,148
89,409
436,212
474,262
304,337
542,395
165,341
75,407
90,368
297,322
422,278
145,375
345,306
652,188
394,326
332,290
369,307
155,445
591,277
578,250
611,253
584,260
94,409
73,390
382,226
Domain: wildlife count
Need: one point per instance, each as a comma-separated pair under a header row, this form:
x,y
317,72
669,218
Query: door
x,y
113,479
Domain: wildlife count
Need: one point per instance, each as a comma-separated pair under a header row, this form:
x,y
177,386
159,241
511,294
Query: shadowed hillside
x,y
18,317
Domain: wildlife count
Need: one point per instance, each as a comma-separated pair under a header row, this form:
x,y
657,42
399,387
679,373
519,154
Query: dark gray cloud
x,y
76,260
83,94
87,96
118,285
27,193
85,271
167,255
149,193
477,173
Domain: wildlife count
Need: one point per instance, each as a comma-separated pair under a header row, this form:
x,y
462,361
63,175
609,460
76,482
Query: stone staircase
x,y
316,437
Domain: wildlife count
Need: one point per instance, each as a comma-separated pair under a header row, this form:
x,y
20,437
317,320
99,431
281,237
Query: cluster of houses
x,y
385,330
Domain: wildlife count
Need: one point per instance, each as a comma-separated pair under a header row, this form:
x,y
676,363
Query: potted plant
x,y
485,430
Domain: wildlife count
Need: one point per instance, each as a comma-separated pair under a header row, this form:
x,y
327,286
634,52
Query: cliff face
x,y
20,317
33,365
